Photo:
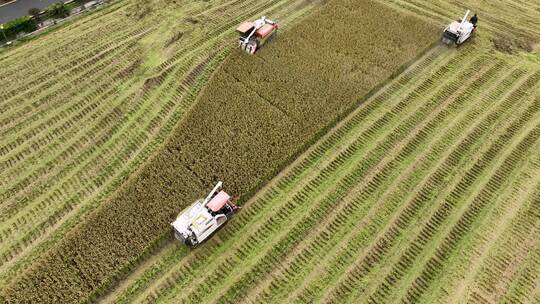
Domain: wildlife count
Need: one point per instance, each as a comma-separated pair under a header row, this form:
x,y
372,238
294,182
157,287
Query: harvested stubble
x,y
255,115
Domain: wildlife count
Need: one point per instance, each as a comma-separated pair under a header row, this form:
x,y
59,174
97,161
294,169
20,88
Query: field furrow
x,y
432,190
434,266
317,156
122,127
342,227
373,165
352,150
467,259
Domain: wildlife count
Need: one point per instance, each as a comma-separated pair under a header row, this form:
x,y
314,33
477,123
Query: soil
x,y
174,38
513,45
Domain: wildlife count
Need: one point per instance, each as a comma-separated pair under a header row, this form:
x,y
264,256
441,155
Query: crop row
x,y
512,260
51,206
258,237
37,212
497,19
85,173
330,268
480,202
59,88
503,214
19,148
525,279
261,206
99,100
433,226
244,136
408,213
272,248
380,182
371,260
46,72
47,57
13,141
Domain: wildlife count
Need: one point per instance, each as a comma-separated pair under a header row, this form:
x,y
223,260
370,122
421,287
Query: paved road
x,y
20,8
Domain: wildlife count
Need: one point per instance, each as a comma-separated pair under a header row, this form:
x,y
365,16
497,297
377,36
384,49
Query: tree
x,y
58,10
20,25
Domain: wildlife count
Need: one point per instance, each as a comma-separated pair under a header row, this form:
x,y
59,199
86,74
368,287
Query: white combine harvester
x,y
202,218
255,34
458,31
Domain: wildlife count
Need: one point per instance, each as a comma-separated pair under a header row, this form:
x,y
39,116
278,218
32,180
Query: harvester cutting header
x,y
254,35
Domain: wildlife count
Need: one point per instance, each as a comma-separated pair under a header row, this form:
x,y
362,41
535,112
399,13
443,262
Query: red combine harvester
x,y
255,34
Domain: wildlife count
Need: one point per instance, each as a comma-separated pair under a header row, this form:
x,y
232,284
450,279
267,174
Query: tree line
x,y
29,23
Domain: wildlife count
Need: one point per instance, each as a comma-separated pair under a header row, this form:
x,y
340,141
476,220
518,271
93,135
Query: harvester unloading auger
x,y
196,223
459,31
254,35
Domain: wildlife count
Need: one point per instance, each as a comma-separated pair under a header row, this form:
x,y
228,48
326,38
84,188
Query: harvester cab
x,y
197,222
254,35
459,31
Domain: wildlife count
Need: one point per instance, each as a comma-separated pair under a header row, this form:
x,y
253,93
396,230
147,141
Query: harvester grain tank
x,y
197,222
254,35
459,31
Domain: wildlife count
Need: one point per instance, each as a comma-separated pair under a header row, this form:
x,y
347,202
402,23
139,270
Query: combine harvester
x,y
254,35
458,31
196,223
